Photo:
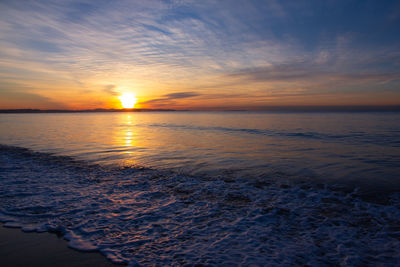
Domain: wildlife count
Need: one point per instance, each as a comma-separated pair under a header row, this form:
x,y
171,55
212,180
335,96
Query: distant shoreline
x,y
80,111
395,108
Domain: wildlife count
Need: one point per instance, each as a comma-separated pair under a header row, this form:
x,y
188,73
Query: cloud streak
x,y
306,72
109,89
202,49
169,99
27,100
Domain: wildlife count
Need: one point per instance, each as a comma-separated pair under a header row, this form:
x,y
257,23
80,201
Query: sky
x,y
201,55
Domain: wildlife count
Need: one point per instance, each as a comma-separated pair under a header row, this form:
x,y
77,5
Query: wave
x,y
391,138
151,217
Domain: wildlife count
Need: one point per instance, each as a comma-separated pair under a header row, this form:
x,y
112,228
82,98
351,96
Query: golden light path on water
x,y
215,143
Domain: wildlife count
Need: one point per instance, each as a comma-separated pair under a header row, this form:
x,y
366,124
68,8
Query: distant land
x,y
270,108
76,111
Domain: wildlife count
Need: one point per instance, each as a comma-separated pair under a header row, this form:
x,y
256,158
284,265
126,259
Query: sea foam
x,y
150,217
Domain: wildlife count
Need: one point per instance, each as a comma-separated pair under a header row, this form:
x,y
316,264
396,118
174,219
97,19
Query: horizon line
x,y
286,108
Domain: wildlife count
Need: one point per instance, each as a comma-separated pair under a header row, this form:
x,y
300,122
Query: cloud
x,y
109,89
308,71
254,47
281,72
181,95
168,99
10,100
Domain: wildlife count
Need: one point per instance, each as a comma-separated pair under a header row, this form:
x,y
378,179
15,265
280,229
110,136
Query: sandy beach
x,y
18,248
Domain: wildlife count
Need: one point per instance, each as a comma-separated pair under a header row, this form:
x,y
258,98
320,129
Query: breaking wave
x,y
145,216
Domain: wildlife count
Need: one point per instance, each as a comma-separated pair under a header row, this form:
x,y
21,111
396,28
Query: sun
x,y
128,100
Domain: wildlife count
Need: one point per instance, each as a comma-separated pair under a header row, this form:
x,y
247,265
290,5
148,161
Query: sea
x,y
234,188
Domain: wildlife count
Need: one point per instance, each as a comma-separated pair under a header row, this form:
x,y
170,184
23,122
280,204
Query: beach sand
x,y
43,249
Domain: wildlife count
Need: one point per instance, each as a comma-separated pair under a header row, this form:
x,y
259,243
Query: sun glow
x,y
128,100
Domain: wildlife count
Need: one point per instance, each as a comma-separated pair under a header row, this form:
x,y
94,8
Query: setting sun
x,y
128,100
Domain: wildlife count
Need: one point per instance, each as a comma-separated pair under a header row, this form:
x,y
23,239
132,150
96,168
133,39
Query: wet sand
x,y
18,248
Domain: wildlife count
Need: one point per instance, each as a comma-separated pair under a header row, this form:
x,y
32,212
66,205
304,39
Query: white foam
x,y
157,218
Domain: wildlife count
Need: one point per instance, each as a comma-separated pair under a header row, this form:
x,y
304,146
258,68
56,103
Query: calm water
x,y
359,148
196,213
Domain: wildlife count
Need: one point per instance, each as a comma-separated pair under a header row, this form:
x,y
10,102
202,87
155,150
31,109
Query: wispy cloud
x,y
300,72
109,89
169,99
181,95
27,100
203,48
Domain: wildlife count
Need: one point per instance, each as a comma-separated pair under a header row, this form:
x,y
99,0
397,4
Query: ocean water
x,y
211,188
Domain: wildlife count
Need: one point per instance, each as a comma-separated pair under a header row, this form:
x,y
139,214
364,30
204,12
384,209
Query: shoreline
x,y
144,216
284,109
18,248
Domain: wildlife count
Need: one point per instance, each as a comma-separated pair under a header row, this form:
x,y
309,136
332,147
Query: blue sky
x,y
199,54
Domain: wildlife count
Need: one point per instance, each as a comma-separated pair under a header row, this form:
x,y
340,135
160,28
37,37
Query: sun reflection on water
x,y
127,133
125,137
128,137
